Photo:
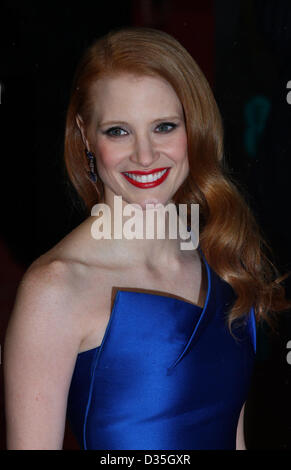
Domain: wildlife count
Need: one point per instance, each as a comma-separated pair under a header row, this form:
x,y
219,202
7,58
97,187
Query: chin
x,y
153,201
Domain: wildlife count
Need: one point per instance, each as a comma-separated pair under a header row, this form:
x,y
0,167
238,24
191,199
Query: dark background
x,y
243,47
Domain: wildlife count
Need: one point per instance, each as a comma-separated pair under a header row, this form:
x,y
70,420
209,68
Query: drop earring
x,y
91,160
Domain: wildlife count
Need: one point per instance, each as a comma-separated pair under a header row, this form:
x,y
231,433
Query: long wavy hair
x,y
229,235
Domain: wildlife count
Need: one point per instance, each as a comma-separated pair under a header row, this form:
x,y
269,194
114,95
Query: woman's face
x,y
138,135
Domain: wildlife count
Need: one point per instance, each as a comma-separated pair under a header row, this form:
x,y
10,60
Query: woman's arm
x,y
240,439
40,349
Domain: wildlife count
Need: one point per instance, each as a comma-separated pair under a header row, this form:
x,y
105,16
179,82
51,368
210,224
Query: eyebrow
x,y
124,123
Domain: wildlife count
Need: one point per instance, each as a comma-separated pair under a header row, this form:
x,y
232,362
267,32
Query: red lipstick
x,y
148,183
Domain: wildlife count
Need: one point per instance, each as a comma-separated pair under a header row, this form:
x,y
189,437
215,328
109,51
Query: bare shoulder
x,y
51,292
57,274
43,304
49,276
46,276
46,279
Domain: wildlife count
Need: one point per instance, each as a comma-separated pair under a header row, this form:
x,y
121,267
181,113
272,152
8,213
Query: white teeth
x,y
147,178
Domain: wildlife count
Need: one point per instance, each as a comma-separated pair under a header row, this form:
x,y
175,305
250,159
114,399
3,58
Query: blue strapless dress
x,y
167,376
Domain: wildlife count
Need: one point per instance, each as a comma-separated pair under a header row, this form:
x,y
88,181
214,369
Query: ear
x,y
81,126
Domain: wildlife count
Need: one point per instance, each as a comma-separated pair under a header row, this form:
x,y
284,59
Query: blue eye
x,y
115,132
166,127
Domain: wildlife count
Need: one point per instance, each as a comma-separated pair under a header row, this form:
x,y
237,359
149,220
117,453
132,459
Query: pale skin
x,y
65,299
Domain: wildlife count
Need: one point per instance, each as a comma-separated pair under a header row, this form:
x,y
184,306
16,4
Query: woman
x,y
142,344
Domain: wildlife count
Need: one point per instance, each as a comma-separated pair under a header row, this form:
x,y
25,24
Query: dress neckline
x,y
124,292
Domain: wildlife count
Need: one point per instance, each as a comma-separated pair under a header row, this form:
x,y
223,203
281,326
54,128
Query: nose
x,y
144,152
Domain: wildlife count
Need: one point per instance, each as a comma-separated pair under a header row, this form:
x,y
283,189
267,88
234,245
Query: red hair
x,y
229,236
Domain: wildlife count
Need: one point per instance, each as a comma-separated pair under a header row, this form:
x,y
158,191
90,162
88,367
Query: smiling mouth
x,y
147,179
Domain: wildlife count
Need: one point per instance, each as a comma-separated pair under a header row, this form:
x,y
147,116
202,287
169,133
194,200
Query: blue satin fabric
x,y
167,376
